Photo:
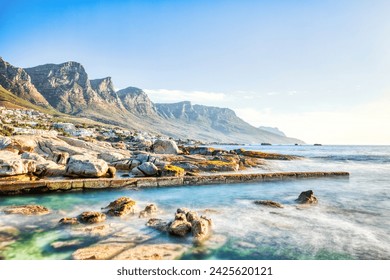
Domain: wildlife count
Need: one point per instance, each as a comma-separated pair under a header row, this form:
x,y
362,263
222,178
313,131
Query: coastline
x,y
8,188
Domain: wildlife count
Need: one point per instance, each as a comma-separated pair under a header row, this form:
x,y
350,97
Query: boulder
x,y
111,172
172,171
27,210
12,164
269,203
91,217
121,207
86,166
111,157
69,221
307,197
145,169
201,229
149,210
126,164
180,226
165,147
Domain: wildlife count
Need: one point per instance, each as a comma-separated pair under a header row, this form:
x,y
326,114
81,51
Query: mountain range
x,y
66,88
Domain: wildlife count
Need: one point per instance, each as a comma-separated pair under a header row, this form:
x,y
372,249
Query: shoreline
x,y
8,188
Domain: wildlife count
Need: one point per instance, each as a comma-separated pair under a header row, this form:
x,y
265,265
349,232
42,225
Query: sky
x,y
317,70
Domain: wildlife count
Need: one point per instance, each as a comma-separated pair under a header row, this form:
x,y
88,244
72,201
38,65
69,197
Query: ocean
x,y
350,221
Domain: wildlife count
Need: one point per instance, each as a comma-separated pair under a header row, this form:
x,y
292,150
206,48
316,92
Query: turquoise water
x,y
351,220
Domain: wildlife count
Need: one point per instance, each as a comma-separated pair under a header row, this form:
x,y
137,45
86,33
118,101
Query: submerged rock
x,y
269,203
90,217
69,221
158,224
121,207
307,197
149,210
27,210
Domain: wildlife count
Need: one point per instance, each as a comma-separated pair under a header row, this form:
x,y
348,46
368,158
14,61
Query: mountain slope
x,y
17,81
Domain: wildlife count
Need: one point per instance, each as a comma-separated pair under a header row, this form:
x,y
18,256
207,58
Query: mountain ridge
x,y
67,88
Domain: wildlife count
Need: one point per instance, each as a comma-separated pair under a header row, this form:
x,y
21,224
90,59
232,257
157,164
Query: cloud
x,y
198,97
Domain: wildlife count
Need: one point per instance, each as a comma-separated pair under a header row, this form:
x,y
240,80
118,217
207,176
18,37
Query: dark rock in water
x,y
69,221
90,217
121,207
269,203
307,197
266,144
149,210
27,210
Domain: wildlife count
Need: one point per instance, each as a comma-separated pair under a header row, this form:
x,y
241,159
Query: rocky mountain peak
x,y
136,101
17,81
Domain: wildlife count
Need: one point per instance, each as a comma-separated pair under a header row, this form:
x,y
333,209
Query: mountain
x,y
68,89
17,81
274,130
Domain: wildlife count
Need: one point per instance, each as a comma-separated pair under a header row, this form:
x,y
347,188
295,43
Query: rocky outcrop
x,y
137,102
149,210
121,207
307,197
145,169
172,171
165,147
27,210
185,222
12,164
86,166
269,203
90,217
18,82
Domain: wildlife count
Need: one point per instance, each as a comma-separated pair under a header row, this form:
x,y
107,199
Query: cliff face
x,y
68,89
17,81
137,102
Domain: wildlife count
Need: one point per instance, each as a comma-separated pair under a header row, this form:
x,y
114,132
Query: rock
x,y
258,154
183,210
191,216
165,147
27,210
60,157
111,157
158,224
218,166
179,228
65,244
307,197
206,151
4,142
126,164
172,171
269,203
90,217
69,221
86,166
145,169
153,252
8,235
149,210
12,164
111,172
201,229
121,207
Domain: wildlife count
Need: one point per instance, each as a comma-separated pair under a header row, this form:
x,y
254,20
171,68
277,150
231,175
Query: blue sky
x,y
318,70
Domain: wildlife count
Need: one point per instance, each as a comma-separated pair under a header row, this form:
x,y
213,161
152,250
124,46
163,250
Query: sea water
x,y
350,221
